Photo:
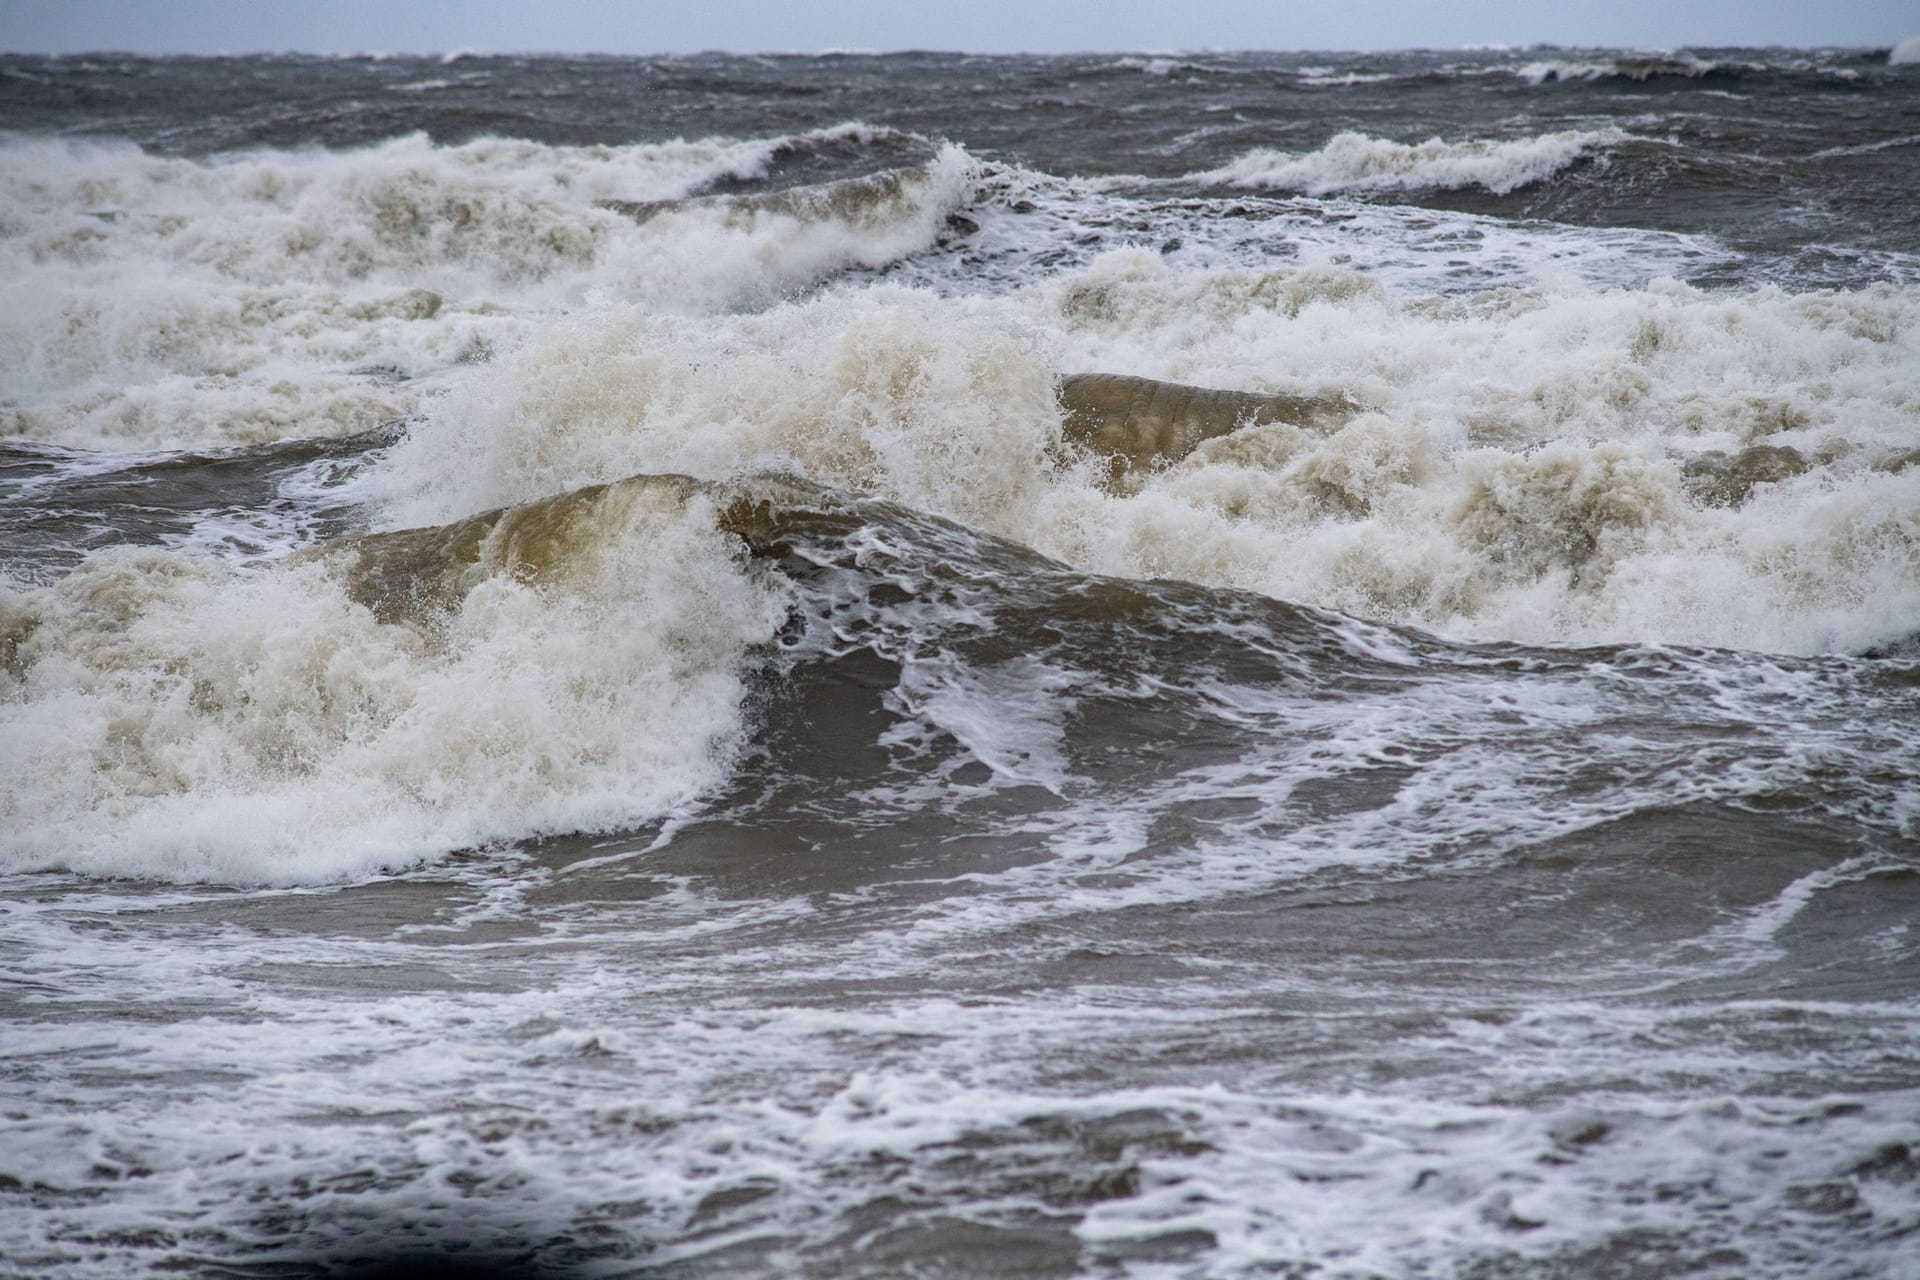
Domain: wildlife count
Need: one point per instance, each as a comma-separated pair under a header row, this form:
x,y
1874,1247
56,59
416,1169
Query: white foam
x,y
1518,472
1906,53
1762,926
157,302
1008,716
1357,162
168,719
1411,1131
1866,149
941,403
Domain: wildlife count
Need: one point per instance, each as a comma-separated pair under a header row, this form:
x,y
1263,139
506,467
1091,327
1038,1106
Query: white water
x,y
1514,469
1356,162
155,302
507,1047
265,728
537,1090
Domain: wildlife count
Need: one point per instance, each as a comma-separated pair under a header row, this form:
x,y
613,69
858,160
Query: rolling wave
x,y
1356,163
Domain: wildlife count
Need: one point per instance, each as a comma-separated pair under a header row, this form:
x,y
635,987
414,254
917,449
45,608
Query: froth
x,y
945,404
1525,475
1535,465
1359,163
577,666
157,302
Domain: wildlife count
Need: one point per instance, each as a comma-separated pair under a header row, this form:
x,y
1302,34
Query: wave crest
x,y
1638,69
571,664
1357,163
150,301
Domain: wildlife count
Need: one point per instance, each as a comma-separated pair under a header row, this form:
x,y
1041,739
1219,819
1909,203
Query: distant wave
x,y
1357,163
1633,67
1152,66
1324,77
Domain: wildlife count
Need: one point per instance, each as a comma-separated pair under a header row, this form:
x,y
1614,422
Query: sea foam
x,y
159,302
577,665
1526,465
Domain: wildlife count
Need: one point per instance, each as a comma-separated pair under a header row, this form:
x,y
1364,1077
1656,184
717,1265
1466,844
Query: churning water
x,y
578,693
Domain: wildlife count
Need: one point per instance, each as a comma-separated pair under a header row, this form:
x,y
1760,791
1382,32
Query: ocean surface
x,y
577,696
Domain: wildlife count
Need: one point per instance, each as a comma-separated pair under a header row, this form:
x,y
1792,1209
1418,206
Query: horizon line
x,y
463,52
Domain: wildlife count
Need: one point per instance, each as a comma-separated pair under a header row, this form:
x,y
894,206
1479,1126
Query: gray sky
x,y
661,26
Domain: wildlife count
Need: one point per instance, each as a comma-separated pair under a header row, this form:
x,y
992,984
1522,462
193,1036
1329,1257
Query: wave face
x,y
929,665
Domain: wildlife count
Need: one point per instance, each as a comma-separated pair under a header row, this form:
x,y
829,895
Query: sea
x,y
574,702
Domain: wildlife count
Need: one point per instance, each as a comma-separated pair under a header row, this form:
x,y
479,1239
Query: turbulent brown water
x,y
589,685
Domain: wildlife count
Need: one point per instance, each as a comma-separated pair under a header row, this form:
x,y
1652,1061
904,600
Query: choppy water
x,y
572,699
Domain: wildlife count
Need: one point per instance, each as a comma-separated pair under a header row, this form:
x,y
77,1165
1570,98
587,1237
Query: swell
x,y
1169,742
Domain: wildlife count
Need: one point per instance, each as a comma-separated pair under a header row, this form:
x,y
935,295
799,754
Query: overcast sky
x,y
663,26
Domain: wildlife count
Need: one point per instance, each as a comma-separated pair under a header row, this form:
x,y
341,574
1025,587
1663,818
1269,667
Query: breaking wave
x,y
1637,69
573,664
1357,163
160,302
1563,466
